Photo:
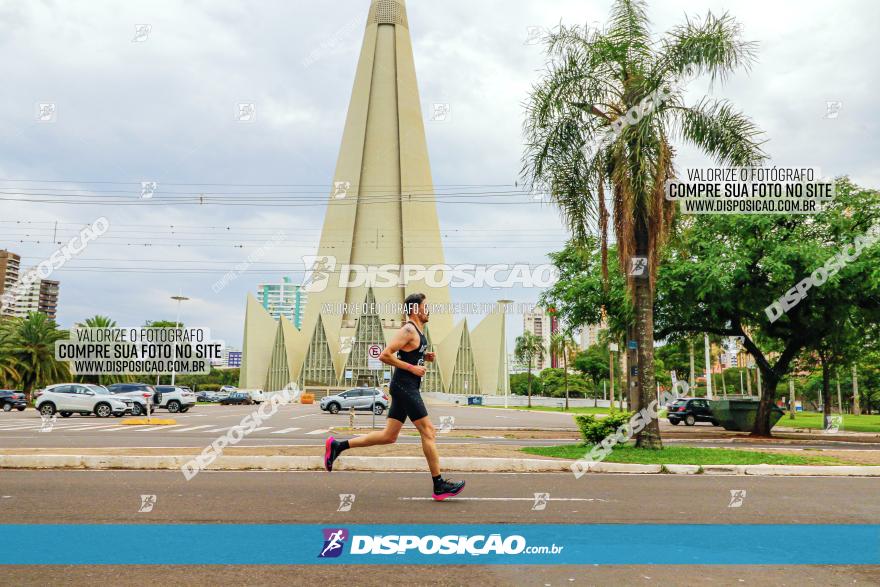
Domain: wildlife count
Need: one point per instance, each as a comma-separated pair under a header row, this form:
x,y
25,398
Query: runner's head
x,y
415,308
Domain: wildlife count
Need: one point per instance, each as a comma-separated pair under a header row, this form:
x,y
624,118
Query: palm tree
x,y
98,321
33,348
9,363
593,82
528,347
562,343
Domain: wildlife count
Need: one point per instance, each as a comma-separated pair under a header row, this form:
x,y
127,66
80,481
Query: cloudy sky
x,y
159,104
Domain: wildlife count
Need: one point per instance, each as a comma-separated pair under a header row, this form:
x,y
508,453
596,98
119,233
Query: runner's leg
x,y
386,436
429,447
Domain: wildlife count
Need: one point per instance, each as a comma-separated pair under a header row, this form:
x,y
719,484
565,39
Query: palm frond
x,y
722,132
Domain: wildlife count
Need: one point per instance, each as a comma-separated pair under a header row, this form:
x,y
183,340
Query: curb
x,y
459,464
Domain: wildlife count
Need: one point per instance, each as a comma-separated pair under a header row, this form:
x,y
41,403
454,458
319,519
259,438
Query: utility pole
x,y
178,298
692,381
611,348
791,406
857,410
504,304
708,367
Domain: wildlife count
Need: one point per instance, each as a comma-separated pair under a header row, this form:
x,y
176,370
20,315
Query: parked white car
x,y
175,399
258,395
83,399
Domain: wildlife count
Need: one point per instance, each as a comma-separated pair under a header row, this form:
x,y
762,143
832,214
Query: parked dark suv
x,y
691,411
12,399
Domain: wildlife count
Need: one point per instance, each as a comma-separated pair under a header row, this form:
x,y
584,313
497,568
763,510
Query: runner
x,y
406,353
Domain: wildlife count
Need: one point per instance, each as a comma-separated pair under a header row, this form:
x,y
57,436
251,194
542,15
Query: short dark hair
x,y
411,303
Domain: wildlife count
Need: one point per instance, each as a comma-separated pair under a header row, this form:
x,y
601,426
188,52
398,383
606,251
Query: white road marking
x,y
319,431
77,427
303,416
261,428
285,431
153,429
123,427
195,428
504,498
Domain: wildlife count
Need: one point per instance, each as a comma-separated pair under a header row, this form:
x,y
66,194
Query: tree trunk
x,y
565,371
765,403
649,437
529,391
791,400
839,396
857,411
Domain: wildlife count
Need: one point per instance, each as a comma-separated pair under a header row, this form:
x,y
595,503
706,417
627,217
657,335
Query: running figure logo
x,y
637,266
834,424
47,423
446,423
541,500
737,497
334,541
346,500
147,503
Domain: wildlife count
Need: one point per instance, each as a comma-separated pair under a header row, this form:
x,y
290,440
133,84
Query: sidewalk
x,y
465,457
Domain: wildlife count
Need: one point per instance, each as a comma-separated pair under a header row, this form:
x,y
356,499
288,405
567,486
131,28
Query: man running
x,y
406,353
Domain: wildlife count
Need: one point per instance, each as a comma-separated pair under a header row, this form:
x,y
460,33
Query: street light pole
x,y
708,368
506,372
179,299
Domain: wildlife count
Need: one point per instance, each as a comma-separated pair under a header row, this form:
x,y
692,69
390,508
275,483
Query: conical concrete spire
x,y
381,209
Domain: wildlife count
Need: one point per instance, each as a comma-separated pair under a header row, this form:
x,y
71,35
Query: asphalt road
x,y
291,425
304,498
306,425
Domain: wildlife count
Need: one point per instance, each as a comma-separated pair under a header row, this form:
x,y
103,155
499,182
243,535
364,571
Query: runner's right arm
x,y
403,337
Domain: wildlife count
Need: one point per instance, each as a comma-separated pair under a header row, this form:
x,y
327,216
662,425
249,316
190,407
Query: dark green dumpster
x,y
739,414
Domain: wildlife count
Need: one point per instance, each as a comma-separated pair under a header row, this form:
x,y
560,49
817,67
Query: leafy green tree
x,y
593,363
529,348
579,146
163,324
747,262
520,382
563,345
554,382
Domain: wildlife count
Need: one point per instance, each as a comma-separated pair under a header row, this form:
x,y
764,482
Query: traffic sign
x,y
373,362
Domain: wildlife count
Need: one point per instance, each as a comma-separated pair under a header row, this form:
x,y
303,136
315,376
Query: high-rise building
x,y
41,295
589,334
381,211
539,323
286,299
9,273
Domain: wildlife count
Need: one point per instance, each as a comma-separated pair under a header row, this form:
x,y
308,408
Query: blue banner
x,y
476,544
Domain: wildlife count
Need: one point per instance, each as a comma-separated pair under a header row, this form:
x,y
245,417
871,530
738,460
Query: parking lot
x,y
295,424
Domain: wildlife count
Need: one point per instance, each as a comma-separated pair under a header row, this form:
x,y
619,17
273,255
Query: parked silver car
x,y
361,398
